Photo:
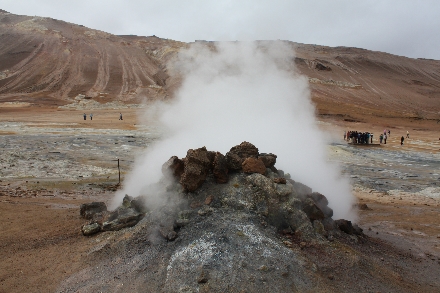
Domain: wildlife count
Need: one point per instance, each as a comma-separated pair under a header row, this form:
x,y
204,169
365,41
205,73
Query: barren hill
x,y
48,61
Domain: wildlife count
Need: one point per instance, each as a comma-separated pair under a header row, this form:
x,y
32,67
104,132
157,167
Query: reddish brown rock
x,y
237,154
253,165
220,168
197,165
209,199
174,166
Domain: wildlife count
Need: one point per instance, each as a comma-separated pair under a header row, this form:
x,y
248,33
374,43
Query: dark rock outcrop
x,y
322,203
122,218
220,168
88,210
237,154
347,227
174,166
320,66
197,165
269,160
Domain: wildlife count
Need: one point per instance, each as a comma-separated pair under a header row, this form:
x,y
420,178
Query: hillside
x,y
45,61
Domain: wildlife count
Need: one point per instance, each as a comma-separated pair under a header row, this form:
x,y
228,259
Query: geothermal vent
x,y
215,221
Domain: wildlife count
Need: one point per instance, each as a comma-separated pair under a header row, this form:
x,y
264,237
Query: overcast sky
x,y
403,27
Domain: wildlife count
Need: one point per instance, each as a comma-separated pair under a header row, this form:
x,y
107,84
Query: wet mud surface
x,y
387,170
69,154
48,170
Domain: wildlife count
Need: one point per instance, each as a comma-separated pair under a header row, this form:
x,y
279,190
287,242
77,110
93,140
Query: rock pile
x,y
259,186
243,180
128,215
219,216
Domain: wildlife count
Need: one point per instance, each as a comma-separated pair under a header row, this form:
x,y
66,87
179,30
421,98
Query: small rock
x,y
90,229
209,199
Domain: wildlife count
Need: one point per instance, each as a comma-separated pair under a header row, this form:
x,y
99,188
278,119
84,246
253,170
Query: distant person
x,y
401,140
371,138
91,116
407,134
389,132
120,116
85,116
381,138
385,139
345,135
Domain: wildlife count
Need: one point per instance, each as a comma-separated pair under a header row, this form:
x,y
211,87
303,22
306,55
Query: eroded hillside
x,y
48,61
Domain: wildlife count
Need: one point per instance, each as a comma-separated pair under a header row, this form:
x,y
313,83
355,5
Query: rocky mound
x,y
226,222
258,187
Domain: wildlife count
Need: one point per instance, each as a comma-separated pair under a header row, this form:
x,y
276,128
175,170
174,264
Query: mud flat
x,y
50,164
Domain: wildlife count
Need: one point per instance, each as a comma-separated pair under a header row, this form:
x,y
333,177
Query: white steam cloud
x,y
237,92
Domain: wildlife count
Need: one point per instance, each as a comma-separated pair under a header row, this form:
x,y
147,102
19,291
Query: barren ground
x,y
41,243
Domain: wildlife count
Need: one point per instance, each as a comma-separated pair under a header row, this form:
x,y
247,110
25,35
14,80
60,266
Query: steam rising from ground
x,y
237,92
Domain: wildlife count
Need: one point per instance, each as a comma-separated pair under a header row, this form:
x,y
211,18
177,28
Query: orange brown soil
x,y
41,239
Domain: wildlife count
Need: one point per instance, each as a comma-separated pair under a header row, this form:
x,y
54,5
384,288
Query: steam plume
x,y
237,92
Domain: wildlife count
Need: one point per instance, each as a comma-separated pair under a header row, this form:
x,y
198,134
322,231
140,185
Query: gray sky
x,y
403,27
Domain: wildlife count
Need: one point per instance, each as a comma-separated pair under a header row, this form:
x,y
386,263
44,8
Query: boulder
x,y
174,166
322,203
301,190
220,168
197,165
253,165
262,182
90,229
125,217
312,210
234,161
318,198
88,210
283,189
239,153
269,160
347,227
329,224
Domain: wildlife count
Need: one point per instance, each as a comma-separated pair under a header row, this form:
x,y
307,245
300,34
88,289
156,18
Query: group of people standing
x,y
358,137
91,116
367,137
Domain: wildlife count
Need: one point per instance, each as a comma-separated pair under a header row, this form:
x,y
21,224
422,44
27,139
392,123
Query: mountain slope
x,y
47,61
